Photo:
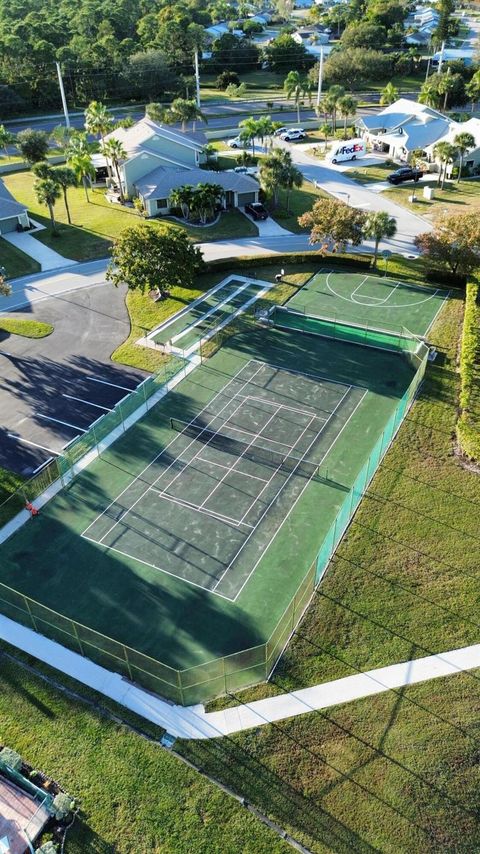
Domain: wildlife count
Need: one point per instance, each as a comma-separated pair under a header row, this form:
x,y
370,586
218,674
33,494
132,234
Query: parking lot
x,y
52,389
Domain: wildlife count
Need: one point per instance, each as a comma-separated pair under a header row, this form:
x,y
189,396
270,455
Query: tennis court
x,y
228,478
370,301
184,332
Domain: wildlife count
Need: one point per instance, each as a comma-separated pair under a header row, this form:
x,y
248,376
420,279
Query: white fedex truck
x,y
349,149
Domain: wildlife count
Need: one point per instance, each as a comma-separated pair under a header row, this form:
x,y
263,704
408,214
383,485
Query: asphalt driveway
x,y
53,388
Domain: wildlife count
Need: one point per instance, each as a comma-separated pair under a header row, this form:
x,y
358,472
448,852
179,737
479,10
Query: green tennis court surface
x,y
370,301
187,328
187,547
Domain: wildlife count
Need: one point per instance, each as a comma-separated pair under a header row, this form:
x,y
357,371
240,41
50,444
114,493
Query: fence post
x,y
180,687
128,663
29,611
80,646
224,674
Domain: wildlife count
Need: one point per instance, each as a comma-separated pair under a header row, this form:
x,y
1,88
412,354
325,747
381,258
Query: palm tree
x,y
291,177
81,163
47,192
463,142
445,153
389,95
155,112
331,99
446,84
249,131
295,88
114,152
270,173
65,178
379,225
429,95
209,151
473,89
181,197
325,131
184,111
347,106
205,199
265,130
6,139
61,135
98,121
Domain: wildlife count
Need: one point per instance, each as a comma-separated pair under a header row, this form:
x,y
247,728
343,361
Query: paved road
x,y
53,388
221,115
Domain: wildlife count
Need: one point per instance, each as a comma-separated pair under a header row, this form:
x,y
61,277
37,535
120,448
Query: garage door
x,y
246,199
7,225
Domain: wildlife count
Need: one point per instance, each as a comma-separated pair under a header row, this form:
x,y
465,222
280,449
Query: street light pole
x,y
62,93
320,76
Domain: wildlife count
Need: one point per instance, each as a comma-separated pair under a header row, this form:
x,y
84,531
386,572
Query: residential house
x,y
406,126
419,38
309,36
403,127
13,215
449,54
160,159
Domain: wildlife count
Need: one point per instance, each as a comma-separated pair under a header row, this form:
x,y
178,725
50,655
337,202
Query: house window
x,y
161,204
469,163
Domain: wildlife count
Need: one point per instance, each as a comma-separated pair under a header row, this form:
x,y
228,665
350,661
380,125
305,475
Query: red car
x,y
256,210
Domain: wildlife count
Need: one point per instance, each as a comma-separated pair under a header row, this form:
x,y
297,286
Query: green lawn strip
x,y
454,198
393,773
133,796
9,483
468,425
301,200
370,174
97,223
15,261
25,327
145,315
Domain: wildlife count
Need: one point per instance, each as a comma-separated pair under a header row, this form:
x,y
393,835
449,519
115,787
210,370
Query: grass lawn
x,y
98,223
398,772
16,262
301,200
370,174
133,796
454,198
25,327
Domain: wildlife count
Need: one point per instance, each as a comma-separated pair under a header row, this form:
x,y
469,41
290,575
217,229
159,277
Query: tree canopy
x,y
144,258
334,224
454,244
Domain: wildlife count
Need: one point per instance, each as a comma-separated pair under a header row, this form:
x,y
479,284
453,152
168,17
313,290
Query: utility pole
x,y
440,63
197,77
320,77
62,93
428,68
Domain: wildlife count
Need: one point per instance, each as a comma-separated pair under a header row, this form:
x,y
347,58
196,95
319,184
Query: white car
x,y
293,134
238,143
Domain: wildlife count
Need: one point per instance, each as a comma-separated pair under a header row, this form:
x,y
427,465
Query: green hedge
x,y
468,432
247,262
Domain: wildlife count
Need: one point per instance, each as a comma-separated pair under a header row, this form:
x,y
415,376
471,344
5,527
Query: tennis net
x,y
384,339
255,453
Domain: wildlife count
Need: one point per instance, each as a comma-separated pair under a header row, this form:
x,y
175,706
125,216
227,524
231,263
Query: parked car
x,y
405,173
283,130
239,143
293,134
256,210
245,170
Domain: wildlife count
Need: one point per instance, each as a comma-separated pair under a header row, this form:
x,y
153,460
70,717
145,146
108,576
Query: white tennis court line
x,y
198,507
281,490
406,285
298,497
229,468
279,468
240,456
358,287
218,394
179,314
211,311
175,438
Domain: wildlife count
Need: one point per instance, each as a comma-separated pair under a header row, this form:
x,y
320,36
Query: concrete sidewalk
x,y
46,257
194,723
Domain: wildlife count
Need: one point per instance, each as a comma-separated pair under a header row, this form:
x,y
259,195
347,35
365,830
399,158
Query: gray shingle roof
x,y
8,205
159,183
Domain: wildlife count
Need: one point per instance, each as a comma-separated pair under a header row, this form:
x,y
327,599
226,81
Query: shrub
x,y
62,806
353,261
468,434
226,78
445,277
11,758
